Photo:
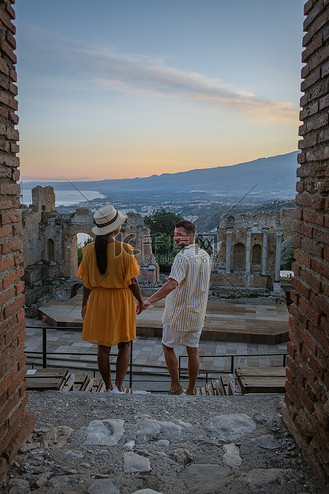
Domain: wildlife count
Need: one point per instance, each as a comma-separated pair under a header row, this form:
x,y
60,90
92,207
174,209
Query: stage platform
x,y
254,321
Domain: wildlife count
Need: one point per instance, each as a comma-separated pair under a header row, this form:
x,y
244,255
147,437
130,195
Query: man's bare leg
x,y
103,361
172,365
122,363
193,368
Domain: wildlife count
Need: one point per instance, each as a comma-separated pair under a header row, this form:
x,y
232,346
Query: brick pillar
x,y
306,409
15,423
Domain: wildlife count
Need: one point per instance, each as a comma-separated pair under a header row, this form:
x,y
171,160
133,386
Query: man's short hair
x,y
187,225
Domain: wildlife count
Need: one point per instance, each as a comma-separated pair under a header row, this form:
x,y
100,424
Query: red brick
x,y
19,259
309,278
302,258
321,302
308,141
318,23
309,110
304,229
311,246
8,50
16,382
13,307
318,58
311,48
313,217
309,311
320,267
17,228
8,100
6,380
300,288
12,334
19,287
6,295
316,122
313,13
11,278
5,231
14,217
22,431
6,263
12,246
7,22
11,12
310,79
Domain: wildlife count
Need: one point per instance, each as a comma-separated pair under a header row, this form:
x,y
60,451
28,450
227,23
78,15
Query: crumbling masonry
x,y
306,410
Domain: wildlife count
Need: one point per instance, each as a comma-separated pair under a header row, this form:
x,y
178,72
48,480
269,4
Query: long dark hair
x,y
101,253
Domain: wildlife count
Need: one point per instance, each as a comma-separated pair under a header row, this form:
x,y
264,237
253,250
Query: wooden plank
x,y
68,383
263,384
261,371
224,381
43,383
209,389
233,385
60,372
220,388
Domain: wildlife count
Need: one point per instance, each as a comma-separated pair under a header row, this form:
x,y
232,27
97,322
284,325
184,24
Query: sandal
x,y
177,391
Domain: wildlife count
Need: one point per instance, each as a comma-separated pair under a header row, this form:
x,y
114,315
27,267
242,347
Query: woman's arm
x,y
85,296
134,287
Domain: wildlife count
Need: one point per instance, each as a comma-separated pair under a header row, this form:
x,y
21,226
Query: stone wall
x,y
249,253
306,410
15,423
50,244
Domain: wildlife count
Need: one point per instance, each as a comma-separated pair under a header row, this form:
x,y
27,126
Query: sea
x,y
66,197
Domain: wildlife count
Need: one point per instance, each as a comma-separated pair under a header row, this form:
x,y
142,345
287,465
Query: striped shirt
x,y
186,305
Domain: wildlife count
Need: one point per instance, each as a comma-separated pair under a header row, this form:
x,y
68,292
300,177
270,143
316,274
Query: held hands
x,y
142,306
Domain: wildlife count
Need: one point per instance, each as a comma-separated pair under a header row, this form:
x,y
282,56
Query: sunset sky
x,y
127,88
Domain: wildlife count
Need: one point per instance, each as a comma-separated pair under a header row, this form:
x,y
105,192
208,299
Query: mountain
x,y
273,177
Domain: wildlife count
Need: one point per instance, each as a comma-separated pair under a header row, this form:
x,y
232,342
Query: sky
x,y
125,88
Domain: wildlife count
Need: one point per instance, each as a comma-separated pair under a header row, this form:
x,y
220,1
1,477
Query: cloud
x,y
144,75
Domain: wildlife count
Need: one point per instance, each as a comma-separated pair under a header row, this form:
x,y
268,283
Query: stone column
x,y
248,252
277,285
228,250
264,254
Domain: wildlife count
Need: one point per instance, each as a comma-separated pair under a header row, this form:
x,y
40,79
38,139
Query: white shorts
x,y
171,338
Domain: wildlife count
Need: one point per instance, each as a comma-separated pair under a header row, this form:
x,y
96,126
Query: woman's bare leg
x,y
122,363
103,361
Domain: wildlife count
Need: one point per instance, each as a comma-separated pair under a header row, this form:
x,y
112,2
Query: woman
x,y
109,273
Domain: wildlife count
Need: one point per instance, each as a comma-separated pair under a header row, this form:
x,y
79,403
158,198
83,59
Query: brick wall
x,y
306,410
15,423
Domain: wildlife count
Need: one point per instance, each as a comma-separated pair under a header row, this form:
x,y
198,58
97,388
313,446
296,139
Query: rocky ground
x,y
100,443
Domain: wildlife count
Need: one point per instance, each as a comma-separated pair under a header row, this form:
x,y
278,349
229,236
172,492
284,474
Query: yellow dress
x,y
111,315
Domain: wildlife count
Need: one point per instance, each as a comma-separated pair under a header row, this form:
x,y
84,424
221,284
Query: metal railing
x,y
203,372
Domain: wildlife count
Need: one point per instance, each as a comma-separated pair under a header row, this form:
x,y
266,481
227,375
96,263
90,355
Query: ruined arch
x,y
50,250
239,256
256,256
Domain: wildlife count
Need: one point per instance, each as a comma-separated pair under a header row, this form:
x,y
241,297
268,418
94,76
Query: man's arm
x,y
168,287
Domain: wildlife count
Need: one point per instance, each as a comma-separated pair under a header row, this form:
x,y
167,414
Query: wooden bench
x,y
43,379
261,379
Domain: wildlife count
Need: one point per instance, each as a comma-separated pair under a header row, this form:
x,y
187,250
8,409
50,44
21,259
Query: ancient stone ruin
x,y
51,250
249,255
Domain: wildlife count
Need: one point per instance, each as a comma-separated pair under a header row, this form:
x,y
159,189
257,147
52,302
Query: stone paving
x,y
100,443
147,354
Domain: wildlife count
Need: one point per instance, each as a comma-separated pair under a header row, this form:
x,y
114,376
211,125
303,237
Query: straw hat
x,y
107,219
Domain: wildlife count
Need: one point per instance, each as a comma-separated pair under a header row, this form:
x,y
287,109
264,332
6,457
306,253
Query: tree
x,y
162,222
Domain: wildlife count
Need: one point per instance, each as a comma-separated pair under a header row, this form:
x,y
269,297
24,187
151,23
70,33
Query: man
x,y
187,294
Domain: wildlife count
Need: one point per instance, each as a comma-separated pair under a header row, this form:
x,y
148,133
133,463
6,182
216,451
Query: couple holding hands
x,y
109,273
